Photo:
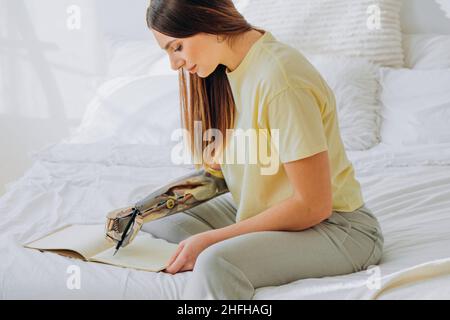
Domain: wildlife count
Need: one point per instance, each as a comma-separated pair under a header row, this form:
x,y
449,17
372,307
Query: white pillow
x,y
445,6
415,106
354,82
133,110
426,51
129,58
345,27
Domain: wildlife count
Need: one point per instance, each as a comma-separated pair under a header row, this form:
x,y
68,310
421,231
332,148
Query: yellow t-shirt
x,y
275,87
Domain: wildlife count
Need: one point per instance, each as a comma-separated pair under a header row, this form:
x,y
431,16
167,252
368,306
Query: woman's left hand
x,y
187,252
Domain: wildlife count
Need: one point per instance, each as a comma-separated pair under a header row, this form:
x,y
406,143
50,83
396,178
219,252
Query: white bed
x,y
410,195
102,168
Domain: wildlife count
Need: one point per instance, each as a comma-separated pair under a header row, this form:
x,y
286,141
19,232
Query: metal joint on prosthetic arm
x,y
186,192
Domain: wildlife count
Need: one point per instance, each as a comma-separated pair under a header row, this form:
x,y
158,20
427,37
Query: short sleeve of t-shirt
x,y
296,114
214,172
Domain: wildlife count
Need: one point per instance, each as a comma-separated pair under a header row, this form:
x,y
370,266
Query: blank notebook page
x,y
87,240
144,253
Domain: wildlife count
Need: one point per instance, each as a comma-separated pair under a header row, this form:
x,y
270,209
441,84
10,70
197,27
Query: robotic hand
x,y
181,194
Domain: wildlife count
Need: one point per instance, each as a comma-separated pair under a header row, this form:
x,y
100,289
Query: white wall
x,y
424,16
48,72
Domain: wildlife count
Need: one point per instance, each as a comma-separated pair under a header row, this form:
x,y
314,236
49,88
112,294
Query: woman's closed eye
x,y
179,48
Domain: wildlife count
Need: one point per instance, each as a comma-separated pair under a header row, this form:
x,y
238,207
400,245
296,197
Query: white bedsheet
x,y
407,189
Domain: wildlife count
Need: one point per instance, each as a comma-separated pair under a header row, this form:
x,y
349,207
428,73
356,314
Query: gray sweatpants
x,y
234,268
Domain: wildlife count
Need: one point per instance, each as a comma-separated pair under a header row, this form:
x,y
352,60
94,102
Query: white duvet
x,y
408,190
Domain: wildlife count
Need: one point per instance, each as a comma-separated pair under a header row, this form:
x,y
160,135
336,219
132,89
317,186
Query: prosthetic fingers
x,y
181,194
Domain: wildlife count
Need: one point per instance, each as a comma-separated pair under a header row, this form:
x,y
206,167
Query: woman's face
x,y
200,51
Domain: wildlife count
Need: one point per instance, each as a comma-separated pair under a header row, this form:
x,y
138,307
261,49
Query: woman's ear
x,y
220,38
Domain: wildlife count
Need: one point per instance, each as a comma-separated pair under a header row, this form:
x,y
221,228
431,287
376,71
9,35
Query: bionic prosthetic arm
x,y
181,194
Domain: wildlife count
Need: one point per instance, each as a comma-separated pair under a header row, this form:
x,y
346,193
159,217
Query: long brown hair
x,y
210,99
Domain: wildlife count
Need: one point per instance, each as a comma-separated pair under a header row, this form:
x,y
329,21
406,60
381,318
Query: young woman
x,y
305,220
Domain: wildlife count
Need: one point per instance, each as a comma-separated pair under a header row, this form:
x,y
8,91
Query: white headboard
x,y
127,18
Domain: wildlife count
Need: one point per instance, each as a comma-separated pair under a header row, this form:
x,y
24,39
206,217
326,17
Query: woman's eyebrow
x,y
169,43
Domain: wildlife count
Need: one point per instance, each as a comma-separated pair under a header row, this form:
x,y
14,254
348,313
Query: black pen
x,y
124,234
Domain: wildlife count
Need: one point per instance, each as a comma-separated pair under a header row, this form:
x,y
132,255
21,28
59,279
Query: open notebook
x,y
87,242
